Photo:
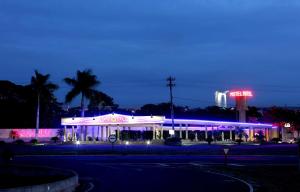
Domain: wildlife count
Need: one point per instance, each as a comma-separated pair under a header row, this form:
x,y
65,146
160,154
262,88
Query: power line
x,y
171,84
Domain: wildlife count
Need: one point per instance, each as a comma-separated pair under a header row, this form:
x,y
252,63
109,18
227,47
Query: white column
x,y
206,136
73,133
267,134
81,133
180,131
107,133
98,133
118,133
161,132
196,135
93,133
230,134
212,132
102,133
65,133
153,131
186,132
251,134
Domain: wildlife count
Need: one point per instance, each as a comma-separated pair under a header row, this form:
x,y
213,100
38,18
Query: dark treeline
x,y
18,109
18,106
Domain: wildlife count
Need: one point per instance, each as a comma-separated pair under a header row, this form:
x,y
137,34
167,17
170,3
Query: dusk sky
x,y
133,45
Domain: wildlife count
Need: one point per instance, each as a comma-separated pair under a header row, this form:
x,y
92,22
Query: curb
x,y
66,185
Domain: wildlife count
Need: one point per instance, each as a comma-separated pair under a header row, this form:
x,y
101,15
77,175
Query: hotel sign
x,y
241,94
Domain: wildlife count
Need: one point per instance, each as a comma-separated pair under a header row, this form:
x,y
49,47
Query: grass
x,y
12,176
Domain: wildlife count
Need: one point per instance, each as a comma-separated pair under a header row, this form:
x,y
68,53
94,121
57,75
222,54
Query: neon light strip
x,y
190,121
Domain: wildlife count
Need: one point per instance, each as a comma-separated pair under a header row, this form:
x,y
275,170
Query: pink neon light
x,y
241,94
28,133
113,119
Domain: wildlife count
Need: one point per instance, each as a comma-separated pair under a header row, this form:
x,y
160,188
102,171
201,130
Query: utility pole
x,y
171,84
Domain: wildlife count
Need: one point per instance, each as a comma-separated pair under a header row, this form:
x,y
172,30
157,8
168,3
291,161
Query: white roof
x,y
119,119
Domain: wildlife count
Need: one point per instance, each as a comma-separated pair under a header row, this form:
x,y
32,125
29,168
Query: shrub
x,y
275,140
175,141
239,141
33,141
90,138
54,139
192,136
20,142
260,137
60,133
14,134
209,140
2,143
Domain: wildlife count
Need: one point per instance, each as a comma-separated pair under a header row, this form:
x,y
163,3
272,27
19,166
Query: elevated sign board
x,y
240,94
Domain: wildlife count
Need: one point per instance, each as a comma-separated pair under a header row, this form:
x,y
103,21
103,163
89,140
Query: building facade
x,y
158,127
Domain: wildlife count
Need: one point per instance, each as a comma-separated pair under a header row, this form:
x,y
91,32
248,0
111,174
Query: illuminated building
x,y
102,126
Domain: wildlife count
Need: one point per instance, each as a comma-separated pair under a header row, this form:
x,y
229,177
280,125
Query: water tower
x,y
241,98
221,98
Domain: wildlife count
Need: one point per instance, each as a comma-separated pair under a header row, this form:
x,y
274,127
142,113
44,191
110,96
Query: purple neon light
x,y
154,119
222,122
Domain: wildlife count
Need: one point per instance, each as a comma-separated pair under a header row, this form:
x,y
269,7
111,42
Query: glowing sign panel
x,y
30,133
113,119
241,94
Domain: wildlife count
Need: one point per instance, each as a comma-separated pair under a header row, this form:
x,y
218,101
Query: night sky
x,y
133,45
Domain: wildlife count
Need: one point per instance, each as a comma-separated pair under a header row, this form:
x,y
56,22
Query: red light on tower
x,y
241,102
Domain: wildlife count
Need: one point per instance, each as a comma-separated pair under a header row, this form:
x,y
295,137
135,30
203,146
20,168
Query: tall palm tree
x,y
43,89
83,84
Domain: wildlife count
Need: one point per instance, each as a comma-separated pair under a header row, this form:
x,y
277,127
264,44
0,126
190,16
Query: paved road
x,y
154,172
139,173
154,149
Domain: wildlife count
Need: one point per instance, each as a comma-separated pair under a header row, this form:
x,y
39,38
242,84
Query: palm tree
x,y
83,84
43,90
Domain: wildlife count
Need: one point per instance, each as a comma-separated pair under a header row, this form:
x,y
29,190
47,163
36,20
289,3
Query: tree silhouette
x,y
43,89
83,84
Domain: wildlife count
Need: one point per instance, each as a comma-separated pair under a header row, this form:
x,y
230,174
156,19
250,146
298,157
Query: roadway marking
x,y
197,164
91,187
162,164
236,165
235,178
